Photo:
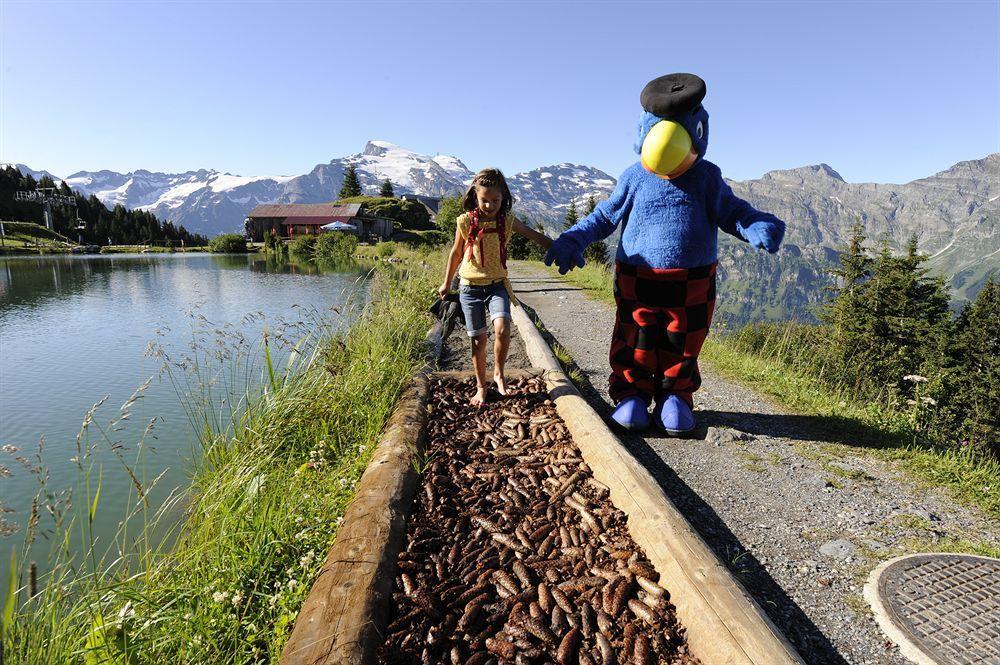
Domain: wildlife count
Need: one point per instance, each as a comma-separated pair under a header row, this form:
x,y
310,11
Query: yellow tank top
x,y
481,261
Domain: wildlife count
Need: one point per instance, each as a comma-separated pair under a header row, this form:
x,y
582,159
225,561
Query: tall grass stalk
x,y
275,473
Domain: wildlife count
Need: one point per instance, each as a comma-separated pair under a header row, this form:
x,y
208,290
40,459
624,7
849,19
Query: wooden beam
x,y
341,620
724,624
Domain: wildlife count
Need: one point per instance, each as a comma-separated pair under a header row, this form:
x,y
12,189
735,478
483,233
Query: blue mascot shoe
x,y
632,414
674,416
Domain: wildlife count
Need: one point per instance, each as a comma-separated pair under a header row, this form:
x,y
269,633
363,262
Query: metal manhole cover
x,y
939,608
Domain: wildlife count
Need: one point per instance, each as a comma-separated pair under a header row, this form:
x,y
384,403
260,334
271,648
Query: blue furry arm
x,y
601,223
567,250
740,219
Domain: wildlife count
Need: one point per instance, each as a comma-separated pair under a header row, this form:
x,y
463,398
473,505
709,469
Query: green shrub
x,y
410,215
228,243
335,246
385,249
448,211
304,246
436,237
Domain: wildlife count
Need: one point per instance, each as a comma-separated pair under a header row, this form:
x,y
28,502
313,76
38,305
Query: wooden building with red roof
x,y
290,220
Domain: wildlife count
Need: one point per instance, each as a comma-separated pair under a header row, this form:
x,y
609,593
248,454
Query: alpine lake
x,y
164,345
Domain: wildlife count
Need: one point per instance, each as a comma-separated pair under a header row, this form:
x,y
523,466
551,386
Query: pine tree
x,y
351,186
571,216
387,190
969,394
591,203
597,253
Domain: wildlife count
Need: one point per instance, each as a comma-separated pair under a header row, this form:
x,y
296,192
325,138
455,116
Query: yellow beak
x,y
667,150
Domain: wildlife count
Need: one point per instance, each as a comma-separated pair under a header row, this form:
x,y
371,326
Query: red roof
x,y
306,210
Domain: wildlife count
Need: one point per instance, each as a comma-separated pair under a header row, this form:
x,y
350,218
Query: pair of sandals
x,y
672,415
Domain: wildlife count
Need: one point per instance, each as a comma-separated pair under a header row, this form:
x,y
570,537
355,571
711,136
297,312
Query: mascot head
x,y
673,128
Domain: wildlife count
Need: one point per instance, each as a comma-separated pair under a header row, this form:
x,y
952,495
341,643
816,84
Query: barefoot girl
x,y
481,237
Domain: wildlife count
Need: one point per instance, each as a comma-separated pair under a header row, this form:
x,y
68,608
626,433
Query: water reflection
x,y
74,329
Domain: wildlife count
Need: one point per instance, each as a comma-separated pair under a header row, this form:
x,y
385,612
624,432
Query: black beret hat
x,y
673,94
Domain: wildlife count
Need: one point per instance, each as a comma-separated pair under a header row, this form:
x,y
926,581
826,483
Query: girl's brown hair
x,y
493,179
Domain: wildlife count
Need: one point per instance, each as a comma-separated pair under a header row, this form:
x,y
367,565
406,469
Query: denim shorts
x,y
477,300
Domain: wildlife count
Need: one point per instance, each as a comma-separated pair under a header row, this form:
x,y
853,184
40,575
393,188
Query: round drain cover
x,y
939,608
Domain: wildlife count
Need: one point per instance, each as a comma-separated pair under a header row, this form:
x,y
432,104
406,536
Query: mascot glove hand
x,y
565,253
764,235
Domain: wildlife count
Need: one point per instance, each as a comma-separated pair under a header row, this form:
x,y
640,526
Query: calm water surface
x,y
74,330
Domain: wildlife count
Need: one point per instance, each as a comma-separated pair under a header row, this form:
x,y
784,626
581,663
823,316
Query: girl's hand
x,y
443,289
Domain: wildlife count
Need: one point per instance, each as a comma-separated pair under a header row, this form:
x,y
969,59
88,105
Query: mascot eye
x,y
700,130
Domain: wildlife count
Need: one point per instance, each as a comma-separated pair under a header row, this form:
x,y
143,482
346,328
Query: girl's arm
x,y
454,259
531,234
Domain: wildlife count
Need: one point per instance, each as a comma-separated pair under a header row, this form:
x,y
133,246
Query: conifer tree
x,y
597,253
351,186
571,216
386,189
969,393
591,203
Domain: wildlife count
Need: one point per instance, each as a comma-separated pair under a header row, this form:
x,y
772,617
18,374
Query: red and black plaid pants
x,y
661,323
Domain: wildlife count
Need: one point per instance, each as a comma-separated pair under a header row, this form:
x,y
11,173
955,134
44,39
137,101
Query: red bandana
x,y
476,236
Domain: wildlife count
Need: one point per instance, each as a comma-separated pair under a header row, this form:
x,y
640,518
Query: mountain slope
x,y
955,213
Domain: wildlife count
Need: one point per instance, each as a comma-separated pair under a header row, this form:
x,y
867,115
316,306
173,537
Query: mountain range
x,y
954,213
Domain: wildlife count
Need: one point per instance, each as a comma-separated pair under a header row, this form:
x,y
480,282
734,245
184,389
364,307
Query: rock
x,y
723,435
838,549
818,482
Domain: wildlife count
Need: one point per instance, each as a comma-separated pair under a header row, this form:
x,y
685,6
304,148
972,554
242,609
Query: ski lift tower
x,y
46,197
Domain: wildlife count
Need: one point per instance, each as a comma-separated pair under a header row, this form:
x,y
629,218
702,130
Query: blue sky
x,y
881,91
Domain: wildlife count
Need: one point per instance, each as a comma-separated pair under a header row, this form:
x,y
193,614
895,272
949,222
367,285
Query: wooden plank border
x,y
343,617
724,624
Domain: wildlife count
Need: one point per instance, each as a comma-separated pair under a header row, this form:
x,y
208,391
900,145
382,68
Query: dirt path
x,y
797,514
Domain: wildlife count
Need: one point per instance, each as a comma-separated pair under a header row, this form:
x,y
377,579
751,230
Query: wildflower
x,y
915,378
220,596
911,402
237,598
187,616
292,583
929,400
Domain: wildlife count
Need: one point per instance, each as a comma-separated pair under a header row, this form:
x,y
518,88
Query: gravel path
x,y
796,513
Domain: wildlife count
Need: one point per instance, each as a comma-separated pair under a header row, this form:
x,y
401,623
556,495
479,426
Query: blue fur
x,y
667,223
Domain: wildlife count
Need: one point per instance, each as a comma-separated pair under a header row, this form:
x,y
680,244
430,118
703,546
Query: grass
x,y
564,357
266,498
877,429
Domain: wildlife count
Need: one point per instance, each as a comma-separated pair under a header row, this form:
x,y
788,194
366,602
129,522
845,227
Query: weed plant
x,y
224,583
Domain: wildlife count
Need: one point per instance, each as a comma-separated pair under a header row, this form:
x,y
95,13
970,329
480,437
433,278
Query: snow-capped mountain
x,y
210,202
408,171
37,175
545,193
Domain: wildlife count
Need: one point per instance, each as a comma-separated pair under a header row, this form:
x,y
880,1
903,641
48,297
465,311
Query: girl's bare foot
x,y
501,383
480,397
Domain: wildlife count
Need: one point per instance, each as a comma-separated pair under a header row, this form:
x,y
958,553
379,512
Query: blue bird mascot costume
x,y
670,205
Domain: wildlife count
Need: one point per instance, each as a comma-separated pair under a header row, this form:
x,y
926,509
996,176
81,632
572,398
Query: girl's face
x,y
489,200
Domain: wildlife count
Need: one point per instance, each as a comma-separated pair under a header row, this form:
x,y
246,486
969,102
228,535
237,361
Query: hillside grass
x,y
264,505
970,476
